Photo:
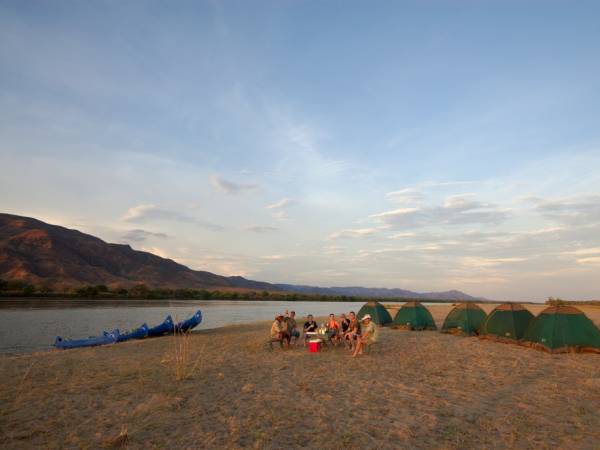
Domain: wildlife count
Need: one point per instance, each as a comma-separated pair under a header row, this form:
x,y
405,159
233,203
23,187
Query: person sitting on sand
x,y
353,331
292,327
344,323
310,326
368,335
332,327
278,331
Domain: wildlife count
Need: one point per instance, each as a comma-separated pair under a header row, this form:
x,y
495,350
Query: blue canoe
x,y
190,323
107,338
164,328
138,333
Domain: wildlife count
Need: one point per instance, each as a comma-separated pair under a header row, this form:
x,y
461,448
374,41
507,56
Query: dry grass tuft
x,y
22,384
119,441
182,359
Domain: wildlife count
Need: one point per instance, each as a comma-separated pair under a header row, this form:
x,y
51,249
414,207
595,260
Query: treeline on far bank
x,y
553,301
16,288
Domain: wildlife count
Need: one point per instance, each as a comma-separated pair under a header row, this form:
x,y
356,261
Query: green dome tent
x,y
507,322
562,329
378,313
414,316
466,318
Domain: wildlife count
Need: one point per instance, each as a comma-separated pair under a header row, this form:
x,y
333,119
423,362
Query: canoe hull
x,y
190,323
138,333
106,339
166,327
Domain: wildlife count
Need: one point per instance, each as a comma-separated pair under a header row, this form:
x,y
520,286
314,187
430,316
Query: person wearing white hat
x,y
367,336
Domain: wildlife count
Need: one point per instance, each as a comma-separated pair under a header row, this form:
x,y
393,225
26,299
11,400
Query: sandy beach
x,y
417,390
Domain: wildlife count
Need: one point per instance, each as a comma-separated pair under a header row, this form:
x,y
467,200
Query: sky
x,y
424,145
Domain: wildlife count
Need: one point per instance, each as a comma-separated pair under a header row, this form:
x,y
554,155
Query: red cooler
x,y
314,345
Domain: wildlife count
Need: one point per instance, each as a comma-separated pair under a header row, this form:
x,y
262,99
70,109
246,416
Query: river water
x,y
32,325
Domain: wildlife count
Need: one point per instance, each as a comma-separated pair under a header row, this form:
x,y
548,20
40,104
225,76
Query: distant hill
x,y
37,252
356,291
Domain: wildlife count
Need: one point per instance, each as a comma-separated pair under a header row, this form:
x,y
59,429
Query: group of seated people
x,y
355,334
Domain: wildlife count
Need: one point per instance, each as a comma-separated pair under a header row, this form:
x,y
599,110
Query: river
x,y
32,325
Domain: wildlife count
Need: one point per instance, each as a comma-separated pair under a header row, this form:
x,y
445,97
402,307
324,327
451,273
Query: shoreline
x,y
439,312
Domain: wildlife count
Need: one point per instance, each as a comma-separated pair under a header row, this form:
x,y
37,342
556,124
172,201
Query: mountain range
x,y
41,253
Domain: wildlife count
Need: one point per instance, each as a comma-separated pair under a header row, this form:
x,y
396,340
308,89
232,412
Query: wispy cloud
x,y
401,217
489,262
281,204
221,263
406,196
403,235
303,154
587,251
280,215
456,210
445,184
354,233
464,202
261,229
589,260
578,209
279,208
230,187
150,213
273,257
139,235
147,212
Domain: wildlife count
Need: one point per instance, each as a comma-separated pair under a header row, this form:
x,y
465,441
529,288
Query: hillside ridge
x,y
41,253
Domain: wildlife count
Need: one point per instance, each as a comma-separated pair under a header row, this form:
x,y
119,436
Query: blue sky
x,y
425,145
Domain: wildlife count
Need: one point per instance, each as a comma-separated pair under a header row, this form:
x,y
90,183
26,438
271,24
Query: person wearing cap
x,y
279,331
368,335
